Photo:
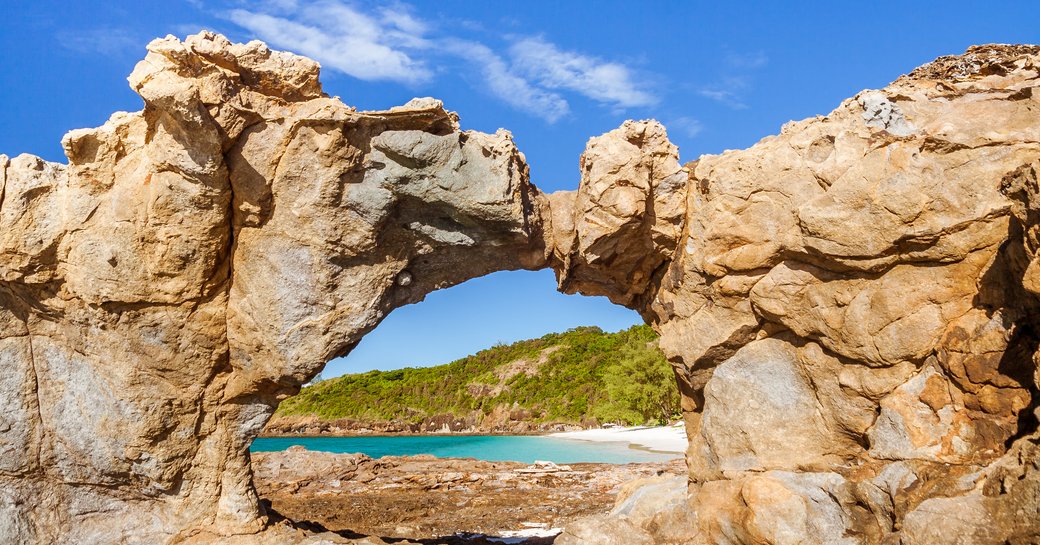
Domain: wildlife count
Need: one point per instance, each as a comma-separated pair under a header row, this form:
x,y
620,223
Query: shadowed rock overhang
x,y
850,306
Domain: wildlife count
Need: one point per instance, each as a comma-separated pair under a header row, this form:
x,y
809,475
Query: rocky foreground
x,y
851,307
441,500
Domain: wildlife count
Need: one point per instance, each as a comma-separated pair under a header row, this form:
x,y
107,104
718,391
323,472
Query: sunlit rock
x,y
850,306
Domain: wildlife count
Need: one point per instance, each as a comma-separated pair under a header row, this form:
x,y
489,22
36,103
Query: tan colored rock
x,y
31,221
653,510
850,305
1002,507
779,423
1022,188
887,357
613,235
874,320
778,507
199,260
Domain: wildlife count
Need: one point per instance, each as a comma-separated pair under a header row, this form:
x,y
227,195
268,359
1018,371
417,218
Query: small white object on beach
x,y
519,536
542,466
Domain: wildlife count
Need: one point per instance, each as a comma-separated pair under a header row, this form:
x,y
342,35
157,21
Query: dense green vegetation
x,y
574,376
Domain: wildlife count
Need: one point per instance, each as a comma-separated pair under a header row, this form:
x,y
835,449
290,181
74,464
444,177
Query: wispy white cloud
x,y
507,85
367,46
689,126
606,82
400,19
387,42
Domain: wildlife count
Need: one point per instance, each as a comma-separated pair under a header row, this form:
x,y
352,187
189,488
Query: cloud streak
x,y
507,85
605,82
365,46
389,43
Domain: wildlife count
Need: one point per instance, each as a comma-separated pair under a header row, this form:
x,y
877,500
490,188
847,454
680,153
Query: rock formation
x,y
850,306
423,497
197,261
851,310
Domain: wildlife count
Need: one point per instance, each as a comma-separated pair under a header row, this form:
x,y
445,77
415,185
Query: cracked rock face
x,y
850,306
197,261
851,310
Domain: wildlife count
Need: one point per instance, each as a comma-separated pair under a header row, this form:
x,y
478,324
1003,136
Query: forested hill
x,y
581,376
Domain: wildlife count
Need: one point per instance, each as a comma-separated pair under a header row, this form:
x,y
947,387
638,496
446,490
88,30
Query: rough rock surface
x,y
422,497
851,310
197,261
850,306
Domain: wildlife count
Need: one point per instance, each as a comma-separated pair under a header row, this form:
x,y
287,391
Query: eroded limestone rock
x,y
614,235
851,312
850,305
197,261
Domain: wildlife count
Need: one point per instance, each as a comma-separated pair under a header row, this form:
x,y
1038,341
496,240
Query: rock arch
x,y
866,275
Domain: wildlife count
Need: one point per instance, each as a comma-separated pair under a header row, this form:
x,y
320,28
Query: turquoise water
x,y
516,448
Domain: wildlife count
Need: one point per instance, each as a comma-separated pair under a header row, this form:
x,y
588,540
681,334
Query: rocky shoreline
x,y
442,500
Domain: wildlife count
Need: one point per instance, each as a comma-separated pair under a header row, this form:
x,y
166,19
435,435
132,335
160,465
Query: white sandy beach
x,y
660,439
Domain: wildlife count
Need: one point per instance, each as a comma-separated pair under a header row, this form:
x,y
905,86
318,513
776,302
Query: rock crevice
x,y
849,305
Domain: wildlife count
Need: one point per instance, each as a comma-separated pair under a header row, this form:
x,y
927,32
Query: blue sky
x,y
720,75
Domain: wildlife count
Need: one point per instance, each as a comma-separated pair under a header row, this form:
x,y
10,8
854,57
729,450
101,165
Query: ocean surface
x,y
516,448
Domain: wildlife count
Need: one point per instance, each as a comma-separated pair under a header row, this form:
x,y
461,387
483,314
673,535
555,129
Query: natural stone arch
x,y
200,259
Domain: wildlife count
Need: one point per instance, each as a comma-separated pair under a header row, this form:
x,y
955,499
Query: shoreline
x,y
657,439
407,434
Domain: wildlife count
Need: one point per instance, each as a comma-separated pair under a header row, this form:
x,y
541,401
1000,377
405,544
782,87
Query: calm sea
x,y
515,448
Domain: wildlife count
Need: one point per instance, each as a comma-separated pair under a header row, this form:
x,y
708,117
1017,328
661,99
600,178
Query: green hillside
x,y
569,377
